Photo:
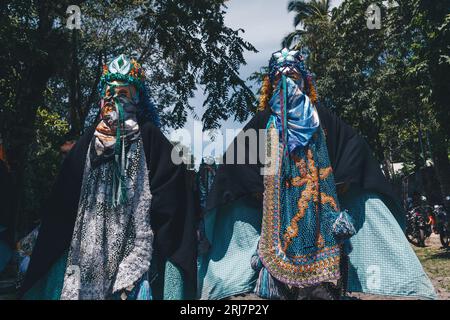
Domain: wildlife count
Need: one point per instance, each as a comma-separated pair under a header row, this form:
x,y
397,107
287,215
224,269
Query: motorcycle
x,y
418,229
442,225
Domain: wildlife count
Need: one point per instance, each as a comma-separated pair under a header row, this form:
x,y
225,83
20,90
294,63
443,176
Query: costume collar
x,y
296,117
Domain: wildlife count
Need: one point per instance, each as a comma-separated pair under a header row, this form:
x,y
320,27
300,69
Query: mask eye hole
x,y
295,76
123,93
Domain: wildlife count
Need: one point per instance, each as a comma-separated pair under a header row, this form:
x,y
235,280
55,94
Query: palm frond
x,y
309,10
292,39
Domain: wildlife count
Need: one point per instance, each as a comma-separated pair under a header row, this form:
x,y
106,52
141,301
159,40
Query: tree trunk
x,y
22,133
442,163
76,112
93,92
29,98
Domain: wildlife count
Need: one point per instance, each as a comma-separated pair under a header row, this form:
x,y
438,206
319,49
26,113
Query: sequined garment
x,y
111,245
300,205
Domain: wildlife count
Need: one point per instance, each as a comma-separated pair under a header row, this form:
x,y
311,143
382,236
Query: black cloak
x,y
350,156
172,213
7,200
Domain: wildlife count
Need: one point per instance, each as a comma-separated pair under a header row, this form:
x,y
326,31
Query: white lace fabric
x,y
111,246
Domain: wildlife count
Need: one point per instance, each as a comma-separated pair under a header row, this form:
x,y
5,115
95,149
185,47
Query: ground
x,y
435,261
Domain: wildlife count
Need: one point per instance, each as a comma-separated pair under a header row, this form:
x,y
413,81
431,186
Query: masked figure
x,y
313,216
111,228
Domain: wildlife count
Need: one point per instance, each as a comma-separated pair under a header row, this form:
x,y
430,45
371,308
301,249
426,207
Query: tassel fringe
x,y
119,196
145,292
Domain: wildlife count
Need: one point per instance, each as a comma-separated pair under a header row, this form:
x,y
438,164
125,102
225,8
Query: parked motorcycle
x,y
442,224
418,229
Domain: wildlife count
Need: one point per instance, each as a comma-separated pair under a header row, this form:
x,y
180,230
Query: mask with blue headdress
x,y
293,99
302,229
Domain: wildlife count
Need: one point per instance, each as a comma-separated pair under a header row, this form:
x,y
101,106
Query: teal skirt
x,y
381,260
50,286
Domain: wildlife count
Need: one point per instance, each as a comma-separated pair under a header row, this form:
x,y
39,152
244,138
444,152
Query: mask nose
x,y
107,101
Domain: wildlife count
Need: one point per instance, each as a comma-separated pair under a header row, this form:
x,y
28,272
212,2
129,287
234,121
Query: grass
x,y
436,262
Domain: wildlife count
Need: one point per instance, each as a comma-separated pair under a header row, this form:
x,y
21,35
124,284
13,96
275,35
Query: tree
x,y
312,24
308,13
431,67
184,45
391,83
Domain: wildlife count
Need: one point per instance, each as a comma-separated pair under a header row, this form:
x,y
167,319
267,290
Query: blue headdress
x,y
283,60
295,119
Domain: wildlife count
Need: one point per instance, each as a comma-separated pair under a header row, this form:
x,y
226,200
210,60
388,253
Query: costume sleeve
x,y
7,208
351,157
59,213
235,180
172,210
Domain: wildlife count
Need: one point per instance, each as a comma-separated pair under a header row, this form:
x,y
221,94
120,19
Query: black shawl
x,y
7,201
173,216
351,159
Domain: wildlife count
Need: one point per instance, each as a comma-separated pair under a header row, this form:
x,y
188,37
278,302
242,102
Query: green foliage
x,y
391,84
310,16
44,159
183,45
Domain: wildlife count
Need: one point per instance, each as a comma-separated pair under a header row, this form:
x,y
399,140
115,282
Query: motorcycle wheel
x,y
445,239
421,239
411,237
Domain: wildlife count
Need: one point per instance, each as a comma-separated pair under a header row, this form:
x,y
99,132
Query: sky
x,y
266,23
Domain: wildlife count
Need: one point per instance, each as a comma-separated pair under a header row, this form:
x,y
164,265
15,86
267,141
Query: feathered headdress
x,y
122,69
131,72
281,61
